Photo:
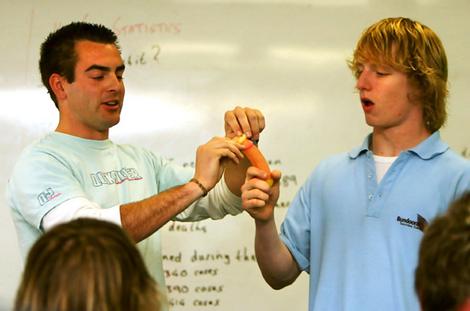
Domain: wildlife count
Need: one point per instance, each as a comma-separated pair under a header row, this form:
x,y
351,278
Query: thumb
x,y
276,176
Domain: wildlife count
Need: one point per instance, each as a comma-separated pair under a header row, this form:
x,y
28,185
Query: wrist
x,y
265,224
200,186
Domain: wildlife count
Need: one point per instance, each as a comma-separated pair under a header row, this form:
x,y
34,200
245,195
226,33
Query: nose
x,y
363,81
115,83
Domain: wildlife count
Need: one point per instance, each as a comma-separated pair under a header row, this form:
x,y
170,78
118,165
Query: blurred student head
x,y
443,273
86,265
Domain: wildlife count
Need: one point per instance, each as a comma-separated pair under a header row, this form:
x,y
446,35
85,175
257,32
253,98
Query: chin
x,y
369,122
112,123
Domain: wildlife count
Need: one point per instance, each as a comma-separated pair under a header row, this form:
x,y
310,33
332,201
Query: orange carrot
x,y
255,156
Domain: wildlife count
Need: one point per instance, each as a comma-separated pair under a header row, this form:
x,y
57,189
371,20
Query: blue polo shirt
x,y
359,239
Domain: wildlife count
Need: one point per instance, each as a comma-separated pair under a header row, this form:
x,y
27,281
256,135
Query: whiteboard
x,y
187,63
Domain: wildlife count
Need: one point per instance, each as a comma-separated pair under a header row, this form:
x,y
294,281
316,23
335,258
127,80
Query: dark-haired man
x,y
76,171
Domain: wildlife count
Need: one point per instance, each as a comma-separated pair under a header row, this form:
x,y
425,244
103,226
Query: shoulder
x,y
452,161
39,150
333,164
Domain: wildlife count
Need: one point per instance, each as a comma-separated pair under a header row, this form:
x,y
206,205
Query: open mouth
x,y
367,102
111,103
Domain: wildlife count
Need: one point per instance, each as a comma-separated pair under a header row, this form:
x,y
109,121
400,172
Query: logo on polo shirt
x,y
115,177
47,195
420,223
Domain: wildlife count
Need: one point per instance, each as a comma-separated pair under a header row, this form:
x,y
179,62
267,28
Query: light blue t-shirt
x,y
60,167
359,240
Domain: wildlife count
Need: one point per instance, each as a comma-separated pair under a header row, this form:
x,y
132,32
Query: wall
x,y
190,61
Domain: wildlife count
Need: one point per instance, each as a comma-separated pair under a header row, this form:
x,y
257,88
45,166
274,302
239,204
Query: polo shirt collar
x,y
355,152
430,147
427,149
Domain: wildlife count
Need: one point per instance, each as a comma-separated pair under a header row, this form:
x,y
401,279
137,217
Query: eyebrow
x,y
104,68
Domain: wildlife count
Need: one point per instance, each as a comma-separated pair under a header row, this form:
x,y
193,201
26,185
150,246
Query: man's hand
x,y
209,168
258,198
246,121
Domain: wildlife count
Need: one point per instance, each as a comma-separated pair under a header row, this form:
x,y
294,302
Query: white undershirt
x,y
382,164
82,207
79,208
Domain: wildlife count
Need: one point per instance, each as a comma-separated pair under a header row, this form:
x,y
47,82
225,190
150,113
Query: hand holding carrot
x,y
245,120
255,156
258,198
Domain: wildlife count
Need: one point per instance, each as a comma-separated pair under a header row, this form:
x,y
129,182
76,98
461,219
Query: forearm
x,y
218,203
235,175
275,261
141,219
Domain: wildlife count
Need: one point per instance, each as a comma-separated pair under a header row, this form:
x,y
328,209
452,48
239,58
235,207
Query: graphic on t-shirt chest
x,y
115,177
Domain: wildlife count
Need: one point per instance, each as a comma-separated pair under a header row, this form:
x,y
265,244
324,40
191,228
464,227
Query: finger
x,y
257,122
256,189
254,197
253,205
236,148
230,155
232,127
227,148
225,151
254,172
257,194
276,175
242,120
225,142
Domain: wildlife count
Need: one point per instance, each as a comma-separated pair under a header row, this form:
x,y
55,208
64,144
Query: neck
x,y
390,142
83,133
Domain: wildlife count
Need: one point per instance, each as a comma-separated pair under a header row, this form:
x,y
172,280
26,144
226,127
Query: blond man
x,y
356,224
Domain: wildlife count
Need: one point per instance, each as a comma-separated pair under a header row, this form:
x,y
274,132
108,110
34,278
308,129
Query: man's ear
x,y
57,83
